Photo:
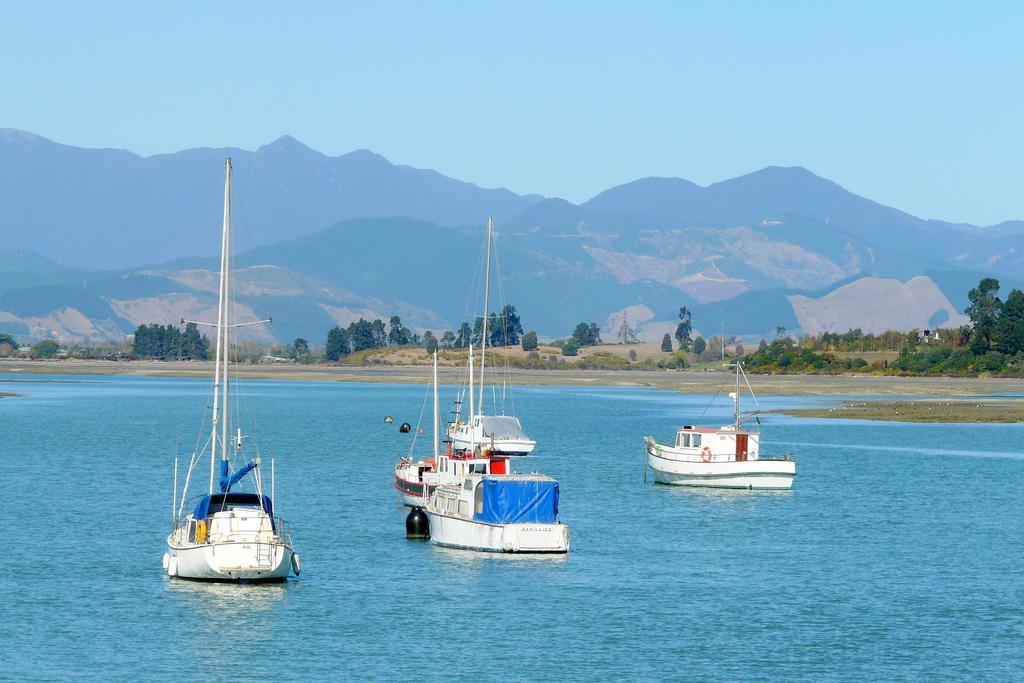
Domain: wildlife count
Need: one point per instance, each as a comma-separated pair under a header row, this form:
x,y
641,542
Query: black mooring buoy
x,y
417,524
405,428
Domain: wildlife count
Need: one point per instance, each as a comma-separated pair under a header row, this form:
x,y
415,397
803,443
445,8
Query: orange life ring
x,y
705,454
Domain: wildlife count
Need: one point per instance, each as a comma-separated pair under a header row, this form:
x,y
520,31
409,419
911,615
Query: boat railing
x,y
201,532
776,456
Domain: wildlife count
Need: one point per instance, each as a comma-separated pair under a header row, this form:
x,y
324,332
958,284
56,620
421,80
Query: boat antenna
x,y
736,398
471,398
437,449
722,310
487,293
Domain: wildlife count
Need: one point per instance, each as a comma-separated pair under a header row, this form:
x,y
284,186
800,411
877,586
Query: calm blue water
x,y
897,555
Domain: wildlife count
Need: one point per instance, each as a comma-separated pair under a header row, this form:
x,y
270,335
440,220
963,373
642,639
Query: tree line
x,y
169,342
504,328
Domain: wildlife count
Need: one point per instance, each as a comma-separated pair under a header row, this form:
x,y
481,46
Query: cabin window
x,y
696,441
478,499
684,440
480,468
462,508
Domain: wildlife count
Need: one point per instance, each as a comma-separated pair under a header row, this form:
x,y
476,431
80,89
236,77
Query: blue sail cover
x,y
207,505
510,501
226,481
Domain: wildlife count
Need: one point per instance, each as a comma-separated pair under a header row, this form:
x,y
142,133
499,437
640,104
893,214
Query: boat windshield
x,y
503,428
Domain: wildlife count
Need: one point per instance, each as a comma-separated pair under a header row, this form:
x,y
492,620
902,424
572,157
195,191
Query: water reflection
x,y
221,600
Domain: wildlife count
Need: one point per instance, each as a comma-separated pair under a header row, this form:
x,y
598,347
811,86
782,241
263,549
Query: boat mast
x,y
487,291
226,305
470,381
221,323
437,449
736,398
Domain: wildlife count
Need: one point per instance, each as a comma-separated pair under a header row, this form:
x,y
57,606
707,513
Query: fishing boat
x,y
229,533
727,457
496,434
415,479
504,513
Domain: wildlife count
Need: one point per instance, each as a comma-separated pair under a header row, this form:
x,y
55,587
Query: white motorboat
x,y
727,457
229,534
415,479
495,434
511,513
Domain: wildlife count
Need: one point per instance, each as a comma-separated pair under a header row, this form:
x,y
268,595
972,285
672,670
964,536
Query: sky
x,y
918,105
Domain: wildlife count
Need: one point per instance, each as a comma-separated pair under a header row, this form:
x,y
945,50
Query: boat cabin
x,y
725,444
516,499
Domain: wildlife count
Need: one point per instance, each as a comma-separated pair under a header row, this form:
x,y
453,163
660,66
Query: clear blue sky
x,y
917,105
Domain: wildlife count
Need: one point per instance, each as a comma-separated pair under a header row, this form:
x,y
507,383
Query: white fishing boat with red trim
x,y
415,479
229,533
725,457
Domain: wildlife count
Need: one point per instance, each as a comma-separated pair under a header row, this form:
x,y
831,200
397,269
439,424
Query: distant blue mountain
x,y
408,240
105,208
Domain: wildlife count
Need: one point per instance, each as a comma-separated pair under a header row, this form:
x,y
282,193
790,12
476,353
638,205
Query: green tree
x,y
684,328
380,334
1008,334
338,344
300,349
8,339
361,335
739,350
447,339
464,337
398,334
46,348
530,341
478,330
780,332
194,346
762,345
430,342
587,335
699,344
571,347
666,343
983,312
505,328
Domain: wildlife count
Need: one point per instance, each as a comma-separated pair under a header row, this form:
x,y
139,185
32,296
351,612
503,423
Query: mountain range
x,y
99,241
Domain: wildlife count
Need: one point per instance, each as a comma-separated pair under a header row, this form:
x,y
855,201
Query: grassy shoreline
x,y
1004,411
687,381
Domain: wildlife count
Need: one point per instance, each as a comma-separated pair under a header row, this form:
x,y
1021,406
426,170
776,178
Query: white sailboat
x,y
727,457
494,434
415,479
228,534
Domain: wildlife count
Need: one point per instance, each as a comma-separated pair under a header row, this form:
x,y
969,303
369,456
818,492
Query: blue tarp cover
x,y
518,501
218,500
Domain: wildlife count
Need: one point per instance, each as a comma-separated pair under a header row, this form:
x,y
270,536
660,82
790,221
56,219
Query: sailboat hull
x,y
236,561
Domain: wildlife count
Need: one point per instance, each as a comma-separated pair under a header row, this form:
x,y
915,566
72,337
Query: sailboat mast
x,y
226,305
470,419
221,327
437,449
487,292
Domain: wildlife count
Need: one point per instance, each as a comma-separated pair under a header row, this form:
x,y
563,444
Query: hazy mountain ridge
x,y
745,248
